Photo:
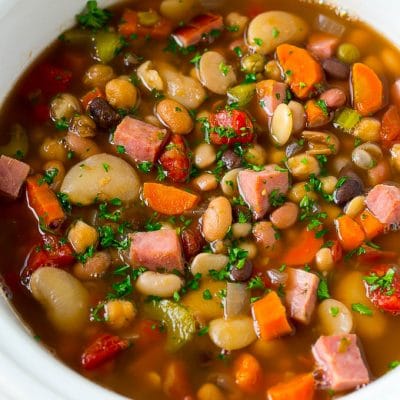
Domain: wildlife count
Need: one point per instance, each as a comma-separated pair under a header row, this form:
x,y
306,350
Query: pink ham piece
x,y
384,202
255,187
301,294
339,357
270,94
13,174
142,141
322,45
158,250
197,29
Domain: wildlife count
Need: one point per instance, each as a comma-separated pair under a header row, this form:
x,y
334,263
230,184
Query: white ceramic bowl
x,y
26,369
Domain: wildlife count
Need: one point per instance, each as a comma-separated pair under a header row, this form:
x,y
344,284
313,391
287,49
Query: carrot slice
x,y
367,89
303,252
316,114
390,129
301,387
248,373
167,199
350,234
371,225
44,202
269,316
89,96
302,71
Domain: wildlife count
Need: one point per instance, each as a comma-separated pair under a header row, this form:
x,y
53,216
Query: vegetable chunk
x,y
13,174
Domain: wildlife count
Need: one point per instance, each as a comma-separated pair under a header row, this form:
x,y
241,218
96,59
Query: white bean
x,y
205,182
335,318
324,259
64,298
204,262
355,206
153,283
150,77
232,334
229,182
272,28
281,124
215,74
204,155
241,229
217,219
299,116
367,155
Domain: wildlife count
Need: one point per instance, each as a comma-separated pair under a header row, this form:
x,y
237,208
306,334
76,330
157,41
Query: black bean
x,y
336,69
241,274
293,148
351,188
231,159
103,114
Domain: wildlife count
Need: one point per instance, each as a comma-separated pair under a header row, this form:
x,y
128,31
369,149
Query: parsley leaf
x,y
361,309
48,176
323,289
94,18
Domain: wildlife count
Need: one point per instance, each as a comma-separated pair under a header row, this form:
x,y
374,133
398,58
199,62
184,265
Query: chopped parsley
x,y
207,294
322,105
83,257
256,283
224,69
203,331
323,289
334,311
232,28
361,309
394,364
121,149
48,176
145,166
161,175
61,124
276,198
196,59
258,41
237,257
152,225
275,32
385,282
238,51
104,212
94,18
65,203
250,78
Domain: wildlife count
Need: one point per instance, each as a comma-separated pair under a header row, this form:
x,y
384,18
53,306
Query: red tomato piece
x,y
104,348
230,126
337,251
383,287
372,255
175,160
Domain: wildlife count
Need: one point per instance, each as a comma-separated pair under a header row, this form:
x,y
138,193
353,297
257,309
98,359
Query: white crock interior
x,y
26,369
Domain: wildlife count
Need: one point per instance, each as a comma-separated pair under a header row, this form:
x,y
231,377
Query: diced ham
x,y
270,94
197,29
301,294
342,364
384,202
12,176
142,141
158,250
322,45
255,187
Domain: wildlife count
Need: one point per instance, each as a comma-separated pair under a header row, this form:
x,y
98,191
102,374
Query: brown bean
x,y
334,98
285,216
94,268
103,114
205,182
336,69
264,234
217,219
174,116
121,93
351,188
82,147
231,159
192,242
83,126
241,274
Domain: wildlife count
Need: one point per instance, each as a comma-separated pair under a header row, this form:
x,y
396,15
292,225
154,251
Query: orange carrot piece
x,y
301,387
367,89
248,373
390,129
370,224
302,71
89,96
269,316
44,202
350,234
315,115
303,252
168,199
130,25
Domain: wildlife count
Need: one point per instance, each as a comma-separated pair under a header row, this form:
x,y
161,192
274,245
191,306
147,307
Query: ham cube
x,y
13,174
340,359
322,45
197,29
270,94
384,202
142,141
157,251
255,187
301,294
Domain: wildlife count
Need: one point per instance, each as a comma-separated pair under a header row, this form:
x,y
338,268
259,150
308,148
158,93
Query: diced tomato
x,y
48,253
337,251
230,126
175,159
383,287
104,348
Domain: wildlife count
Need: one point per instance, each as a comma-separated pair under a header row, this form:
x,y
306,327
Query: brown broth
x,y
127,375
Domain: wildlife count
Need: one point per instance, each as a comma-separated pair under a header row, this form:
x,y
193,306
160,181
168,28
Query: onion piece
x,y
329,25
237,300
276,277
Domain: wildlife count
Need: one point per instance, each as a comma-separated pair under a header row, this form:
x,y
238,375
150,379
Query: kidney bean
x,y
103,114
231,159
347,191
334,98
336,69
192,242
241,274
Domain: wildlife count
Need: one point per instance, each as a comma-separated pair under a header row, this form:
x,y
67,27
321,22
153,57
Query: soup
x,y
203,200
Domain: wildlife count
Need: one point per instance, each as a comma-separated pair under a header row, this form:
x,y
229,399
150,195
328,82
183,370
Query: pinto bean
x,y
217,219
121,93
334,98
336,69
94,268
205,182
285,216
174,116
103,114
82,147
204,155
265,234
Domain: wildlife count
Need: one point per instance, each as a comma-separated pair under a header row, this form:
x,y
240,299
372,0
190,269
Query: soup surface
x,y
201,200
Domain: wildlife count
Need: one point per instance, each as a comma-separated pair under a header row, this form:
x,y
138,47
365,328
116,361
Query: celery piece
x,y
242,94
346,119
178,320
107,45
76,36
